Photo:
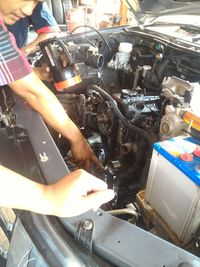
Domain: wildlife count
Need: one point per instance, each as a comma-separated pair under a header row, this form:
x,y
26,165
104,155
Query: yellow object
x,y
192,119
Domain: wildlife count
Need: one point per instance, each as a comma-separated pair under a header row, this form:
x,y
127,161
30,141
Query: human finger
x,y
81,164
91,183
47,69
96,161
94,200
87,165
63,60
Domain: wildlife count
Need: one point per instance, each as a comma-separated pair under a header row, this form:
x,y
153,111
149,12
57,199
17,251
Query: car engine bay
x,y
134,92
135,88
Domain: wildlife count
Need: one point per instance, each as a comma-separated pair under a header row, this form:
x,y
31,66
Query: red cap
x,y
197,152
186,157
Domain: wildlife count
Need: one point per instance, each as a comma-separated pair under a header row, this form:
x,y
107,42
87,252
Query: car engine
x,y
135,89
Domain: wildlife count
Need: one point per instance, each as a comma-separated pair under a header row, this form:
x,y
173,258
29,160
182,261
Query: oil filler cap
x,y
197,152
186,157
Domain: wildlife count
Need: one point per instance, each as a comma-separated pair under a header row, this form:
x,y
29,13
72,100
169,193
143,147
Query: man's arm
x,y
70,196
44,101
33,46
44,25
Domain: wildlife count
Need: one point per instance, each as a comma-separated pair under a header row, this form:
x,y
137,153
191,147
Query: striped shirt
x,y
13,63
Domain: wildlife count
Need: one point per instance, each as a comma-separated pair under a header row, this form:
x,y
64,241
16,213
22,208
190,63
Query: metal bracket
x,y
7,115
84,233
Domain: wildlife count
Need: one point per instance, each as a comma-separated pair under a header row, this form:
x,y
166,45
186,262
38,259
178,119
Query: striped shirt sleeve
x,y
13,63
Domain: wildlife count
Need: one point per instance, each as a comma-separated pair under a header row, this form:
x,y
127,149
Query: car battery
x,y
173,185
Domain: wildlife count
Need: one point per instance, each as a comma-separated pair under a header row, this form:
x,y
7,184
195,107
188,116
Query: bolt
x,y
87,225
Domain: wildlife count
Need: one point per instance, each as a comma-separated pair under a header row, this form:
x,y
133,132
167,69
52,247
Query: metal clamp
x,y
84,233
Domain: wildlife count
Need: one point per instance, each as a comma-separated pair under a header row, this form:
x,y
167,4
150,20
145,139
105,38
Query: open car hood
x,y
155,8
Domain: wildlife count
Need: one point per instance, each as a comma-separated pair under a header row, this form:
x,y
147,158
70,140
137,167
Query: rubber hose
x,y
118,112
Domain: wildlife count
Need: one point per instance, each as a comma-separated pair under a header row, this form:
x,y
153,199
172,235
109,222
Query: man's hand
x,y
83,154
45,102
76,193
43,73
33,46
72,195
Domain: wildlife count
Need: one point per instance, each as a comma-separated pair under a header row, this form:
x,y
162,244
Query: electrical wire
x,y
92,28
119,114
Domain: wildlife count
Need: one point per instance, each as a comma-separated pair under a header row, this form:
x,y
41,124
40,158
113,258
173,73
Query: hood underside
x,y
163,7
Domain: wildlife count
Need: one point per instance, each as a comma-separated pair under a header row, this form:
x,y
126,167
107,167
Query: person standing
x,y
80,188
43,23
